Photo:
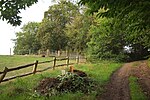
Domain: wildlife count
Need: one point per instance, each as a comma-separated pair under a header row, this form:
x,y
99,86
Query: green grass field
x,y
18,60
13,61
23,88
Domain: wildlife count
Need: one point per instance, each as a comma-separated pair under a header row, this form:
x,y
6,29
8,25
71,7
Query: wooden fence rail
x,y
1,72
35,65
45,62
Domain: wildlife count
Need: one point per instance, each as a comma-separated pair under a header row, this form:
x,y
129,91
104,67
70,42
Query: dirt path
x,y
143,74
118,87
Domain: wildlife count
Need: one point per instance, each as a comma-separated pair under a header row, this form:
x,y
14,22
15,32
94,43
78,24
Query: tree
x,y
135,11
111,39
107,41
139,42
51,32
9,10
77,32
26,41
132,16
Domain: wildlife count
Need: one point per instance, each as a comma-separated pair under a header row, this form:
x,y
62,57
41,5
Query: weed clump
x,y
69,82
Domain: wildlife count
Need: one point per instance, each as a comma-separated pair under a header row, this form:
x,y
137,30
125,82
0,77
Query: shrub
x,y
69,82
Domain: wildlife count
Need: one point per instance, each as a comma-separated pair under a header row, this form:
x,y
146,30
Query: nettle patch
x,y
69,82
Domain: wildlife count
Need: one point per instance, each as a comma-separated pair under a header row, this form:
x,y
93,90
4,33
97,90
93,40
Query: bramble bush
x,y
67,83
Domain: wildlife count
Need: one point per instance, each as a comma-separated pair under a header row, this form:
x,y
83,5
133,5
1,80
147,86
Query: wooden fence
x,y
35,65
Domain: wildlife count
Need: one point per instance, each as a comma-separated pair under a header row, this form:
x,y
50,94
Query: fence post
x,y
4,74
35,67
77,59
67,61
54,62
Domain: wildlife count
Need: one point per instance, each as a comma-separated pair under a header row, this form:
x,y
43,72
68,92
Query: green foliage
x,y
9,10
136,12
72,83
52,27
113,39
138,40
126,26
26,42
69,83
135,90
77,32
107,40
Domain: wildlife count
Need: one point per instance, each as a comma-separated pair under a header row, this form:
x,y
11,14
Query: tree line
x,y
117,30
64,27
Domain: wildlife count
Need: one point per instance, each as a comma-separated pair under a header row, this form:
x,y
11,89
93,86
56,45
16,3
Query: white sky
x,y
7,32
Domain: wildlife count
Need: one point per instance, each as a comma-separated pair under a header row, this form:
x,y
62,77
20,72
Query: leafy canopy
x,y
26,42
113,39
51,31
9,10
77,32
135,11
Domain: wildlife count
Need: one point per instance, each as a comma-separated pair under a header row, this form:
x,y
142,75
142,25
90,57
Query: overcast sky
x,y
7,32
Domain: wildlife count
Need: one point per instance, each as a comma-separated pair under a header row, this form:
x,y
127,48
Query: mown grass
x,y
18,60
135,90
23,88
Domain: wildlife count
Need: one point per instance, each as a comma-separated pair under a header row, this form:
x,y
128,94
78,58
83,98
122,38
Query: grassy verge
x,y
135,90
100,71
23,88
149,62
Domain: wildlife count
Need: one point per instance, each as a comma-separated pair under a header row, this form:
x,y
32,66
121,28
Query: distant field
x,y
18,60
